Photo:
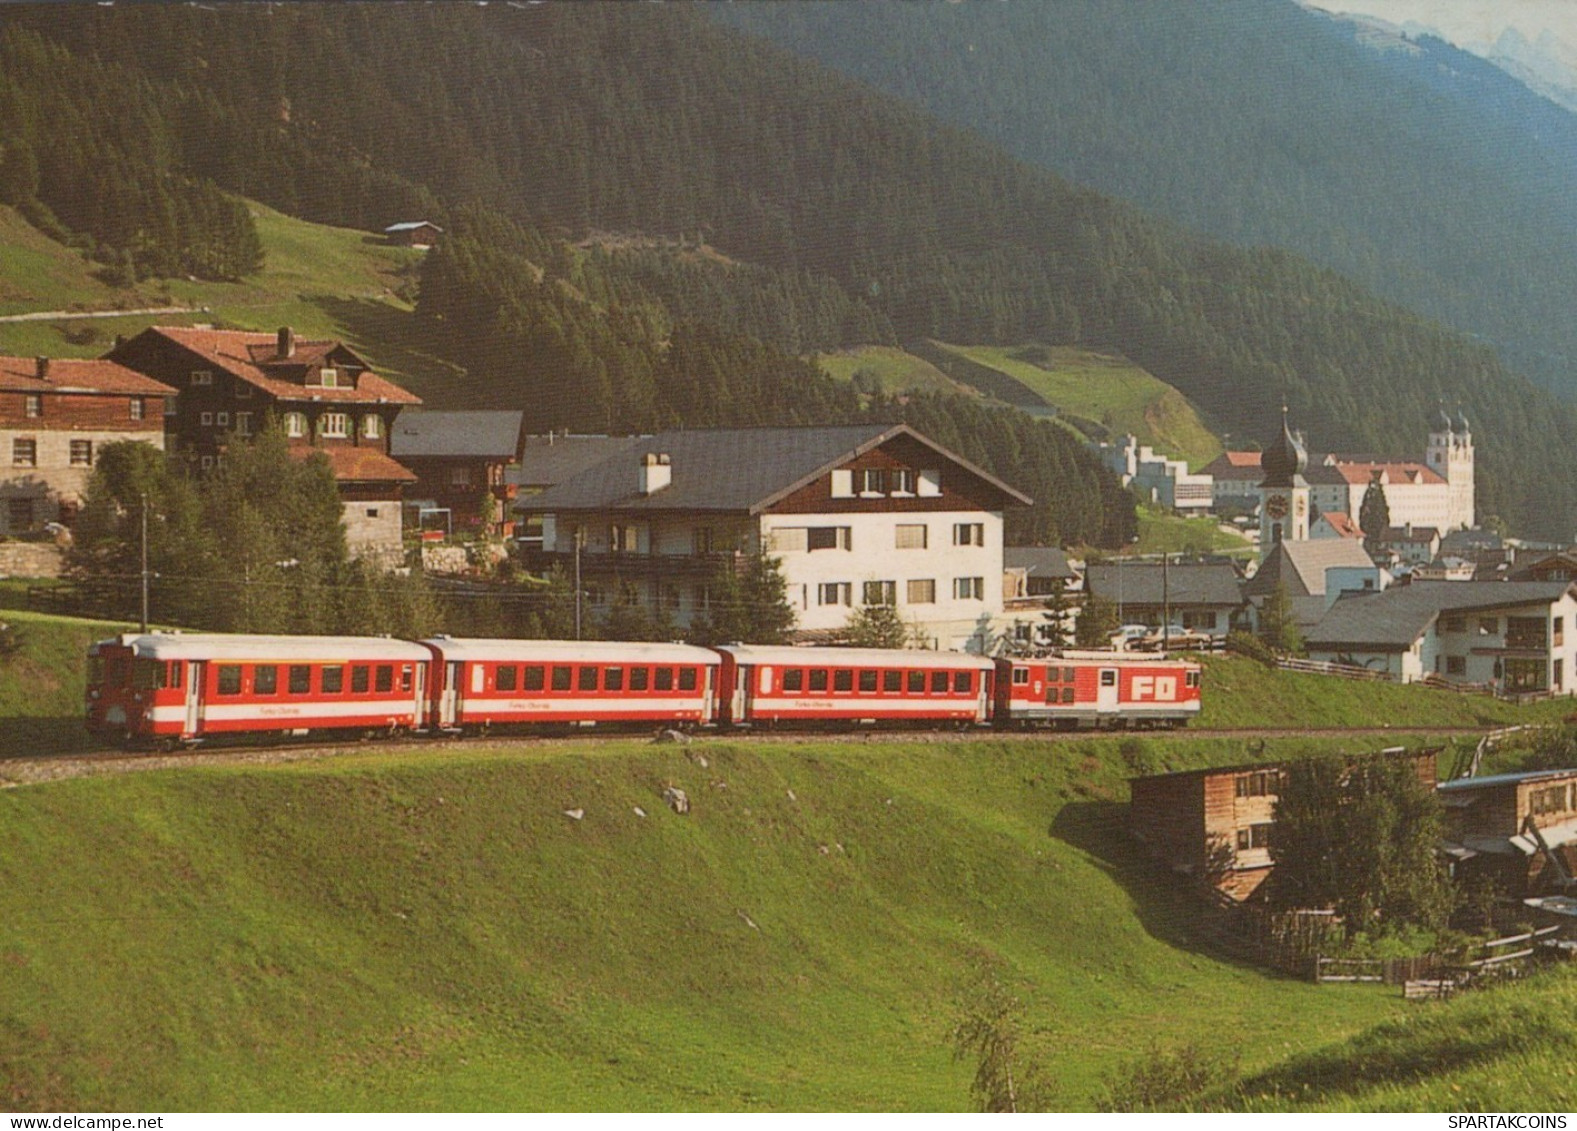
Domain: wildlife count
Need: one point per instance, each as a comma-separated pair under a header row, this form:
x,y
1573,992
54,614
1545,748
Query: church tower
x,y
1450,455
1283,493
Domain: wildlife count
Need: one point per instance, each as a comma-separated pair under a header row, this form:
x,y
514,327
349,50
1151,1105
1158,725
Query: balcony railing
x,y
629,563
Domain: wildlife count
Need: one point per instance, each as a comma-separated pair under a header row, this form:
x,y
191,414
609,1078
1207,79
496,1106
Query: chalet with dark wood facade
x,y
55,416
1214,825
461,460
321,393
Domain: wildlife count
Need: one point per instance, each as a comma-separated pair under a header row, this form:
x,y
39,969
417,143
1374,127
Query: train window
x,y
504,677
867,680
147,675
687,679
939,683
300,679
892,681
818,679
333,679
561,677
843,680
1020,675
229,679
358,679
407,673
916,683
663,679
794,679
640,678
1108,677
613,679
1190,680
587,680
1067,695
531,677
963,681
383,680
265,679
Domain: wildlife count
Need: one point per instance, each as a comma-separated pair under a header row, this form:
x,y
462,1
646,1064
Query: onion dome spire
x,y
1284,459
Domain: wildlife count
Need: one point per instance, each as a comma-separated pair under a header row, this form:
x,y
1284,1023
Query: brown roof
x,y
358,465
253,358
1342,523
1395,471
72,375
1234,465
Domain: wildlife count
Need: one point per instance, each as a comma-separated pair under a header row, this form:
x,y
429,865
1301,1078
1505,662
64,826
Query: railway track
x,y
38,768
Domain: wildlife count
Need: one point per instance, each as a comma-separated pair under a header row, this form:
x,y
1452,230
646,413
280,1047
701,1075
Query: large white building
x,y
862,515
1166,482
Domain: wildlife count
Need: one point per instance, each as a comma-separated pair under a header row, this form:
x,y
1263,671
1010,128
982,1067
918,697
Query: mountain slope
x,y
850,220
1416,169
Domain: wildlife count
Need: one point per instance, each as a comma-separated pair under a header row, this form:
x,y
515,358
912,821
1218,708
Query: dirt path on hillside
x,y
38,769
60,315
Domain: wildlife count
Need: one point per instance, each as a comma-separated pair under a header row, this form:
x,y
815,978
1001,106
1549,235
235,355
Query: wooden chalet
x,y
461,459
321,393
1214,825
1517,831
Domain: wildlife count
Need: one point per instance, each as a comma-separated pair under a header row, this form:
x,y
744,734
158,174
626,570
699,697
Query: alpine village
x,y
755,557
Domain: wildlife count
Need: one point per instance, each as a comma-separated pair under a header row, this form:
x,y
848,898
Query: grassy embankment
x,y
411,928
323,281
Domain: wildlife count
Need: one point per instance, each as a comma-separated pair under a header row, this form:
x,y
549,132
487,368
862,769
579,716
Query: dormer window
x,y
328,378
35,406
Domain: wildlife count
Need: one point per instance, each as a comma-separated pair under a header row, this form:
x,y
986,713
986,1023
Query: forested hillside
x,y
782,203
1414,168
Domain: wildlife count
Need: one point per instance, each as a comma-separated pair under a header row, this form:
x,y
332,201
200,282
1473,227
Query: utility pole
x,y
144,561
580,542
1166,604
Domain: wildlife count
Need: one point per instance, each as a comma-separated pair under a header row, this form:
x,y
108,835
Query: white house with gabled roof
x,y
857,515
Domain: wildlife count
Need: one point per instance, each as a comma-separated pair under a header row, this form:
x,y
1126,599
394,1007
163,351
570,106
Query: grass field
x,y
323,281
896,370
43,683
430,930
426,927
1110,390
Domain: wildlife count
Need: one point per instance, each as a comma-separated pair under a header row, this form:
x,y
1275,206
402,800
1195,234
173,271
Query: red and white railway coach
x,y
175,687
1097,689
481,683
868,685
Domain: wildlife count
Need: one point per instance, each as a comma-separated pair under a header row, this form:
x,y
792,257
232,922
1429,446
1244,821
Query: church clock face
x,y
1276,506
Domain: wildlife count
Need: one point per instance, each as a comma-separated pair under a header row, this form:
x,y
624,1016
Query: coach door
x,y
708,693
1106,692
741,693
419,708
449,701
195,671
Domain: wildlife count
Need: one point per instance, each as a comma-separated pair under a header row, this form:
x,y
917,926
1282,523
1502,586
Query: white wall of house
x,y
1539,641
942,569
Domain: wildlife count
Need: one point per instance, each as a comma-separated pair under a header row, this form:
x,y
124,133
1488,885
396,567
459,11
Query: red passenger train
x,y
176,688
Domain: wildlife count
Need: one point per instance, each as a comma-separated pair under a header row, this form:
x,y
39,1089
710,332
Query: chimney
x,y
43,368
287,342
656,472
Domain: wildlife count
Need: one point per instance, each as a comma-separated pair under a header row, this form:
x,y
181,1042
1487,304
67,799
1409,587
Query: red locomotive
x,y
1098,689
176,688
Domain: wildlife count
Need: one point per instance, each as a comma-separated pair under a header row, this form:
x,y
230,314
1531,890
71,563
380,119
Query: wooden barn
x,y
1214,825
1517,831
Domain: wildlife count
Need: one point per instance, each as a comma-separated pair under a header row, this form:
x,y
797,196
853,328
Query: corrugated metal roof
x,y
482,433
732,469
855,657
564,651
244,647
1489,781
412,225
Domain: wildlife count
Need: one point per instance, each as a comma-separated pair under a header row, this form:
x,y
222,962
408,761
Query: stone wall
x,y
31,559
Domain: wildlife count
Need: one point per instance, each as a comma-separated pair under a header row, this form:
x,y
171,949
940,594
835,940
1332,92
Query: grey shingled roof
x,y
1301,566
1394,618
546,461
490,433
1038,561
1215,583
732,469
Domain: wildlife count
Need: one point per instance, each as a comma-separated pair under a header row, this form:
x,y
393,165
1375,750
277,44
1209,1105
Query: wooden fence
x,y
1328,667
